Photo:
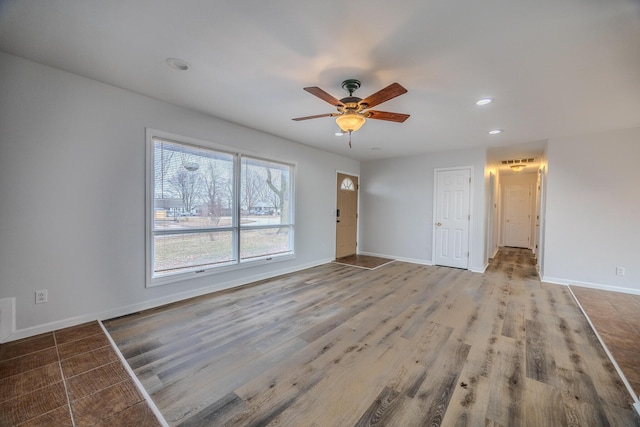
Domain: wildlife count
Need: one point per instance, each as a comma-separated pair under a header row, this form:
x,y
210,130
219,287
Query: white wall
x,y
72,195
593,210
397,205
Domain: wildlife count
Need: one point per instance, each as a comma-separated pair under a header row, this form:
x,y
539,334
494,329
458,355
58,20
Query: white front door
x,y
517,216
451,242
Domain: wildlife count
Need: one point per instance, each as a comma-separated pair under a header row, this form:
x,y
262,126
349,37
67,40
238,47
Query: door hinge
x,y
356,244
467,254
469,217
469,180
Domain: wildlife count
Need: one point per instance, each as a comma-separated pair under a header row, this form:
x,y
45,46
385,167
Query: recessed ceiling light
x,y
339,133
376,149
484,101
178,64
495,131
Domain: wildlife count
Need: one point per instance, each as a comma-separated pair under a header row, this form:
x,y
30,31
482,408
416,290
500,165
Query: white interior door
x,y
451,241
517,216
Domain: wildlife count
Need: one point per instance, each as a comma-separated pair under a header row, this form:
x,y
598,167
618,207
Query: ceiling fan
x,y
354,111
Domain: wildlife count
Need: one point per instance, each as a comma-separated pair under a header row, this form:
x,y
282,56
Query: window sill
x,y
184,276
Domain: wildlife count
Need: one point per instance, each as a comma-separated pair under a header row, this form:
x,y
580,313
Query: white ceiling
x,y
554,67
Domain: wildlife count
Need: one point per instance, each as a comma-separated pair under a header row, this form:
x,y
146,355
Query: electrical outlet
x,y
620,271
41,296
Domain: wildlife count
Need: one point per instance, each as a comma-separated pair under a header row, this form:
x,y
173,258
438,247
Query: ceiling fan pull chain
x,y
349,139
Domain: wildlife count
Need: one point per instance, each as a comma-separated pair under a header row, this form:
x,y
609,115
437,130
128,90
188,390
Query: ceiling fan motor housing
x,y
351,85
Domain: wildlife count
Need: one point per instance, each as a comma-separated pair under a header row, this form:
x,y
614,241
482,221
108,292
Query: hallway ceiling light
x,y
518,167
177,64
484,101
495,131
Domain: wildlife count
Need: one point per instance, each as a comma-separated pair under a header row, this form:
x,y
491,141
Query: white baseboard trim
x,y
559,281
479,270
420,261
636,403
146,305
397,258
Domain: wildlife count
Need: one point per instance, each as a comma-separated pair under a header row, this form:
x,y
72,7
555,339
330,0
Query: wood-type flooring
x,y
401,345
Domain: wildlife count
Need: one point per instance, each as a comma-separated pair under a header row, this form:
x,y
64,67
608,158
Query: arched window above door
x,y
347,184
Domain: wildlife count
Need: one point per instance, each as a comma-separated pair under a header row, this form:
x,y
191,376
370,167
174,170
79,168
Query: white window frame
x,y
236,227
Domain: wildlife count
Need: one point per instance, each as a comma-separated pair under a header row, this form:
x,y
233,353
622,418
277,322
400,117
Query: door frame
x,y
542,195
491,216
335,207
435,210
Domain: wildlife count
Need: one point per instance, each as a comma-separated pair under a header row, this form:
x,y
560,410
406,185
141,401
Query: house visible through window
x,y
214,210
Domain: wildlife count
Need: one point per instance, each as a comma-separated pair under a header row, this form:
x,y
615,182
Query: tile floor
x,y
69,377
616,317
365,261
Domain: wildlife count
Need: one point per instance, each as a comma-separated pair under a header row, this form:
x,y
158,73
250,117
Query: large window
x,y
212,210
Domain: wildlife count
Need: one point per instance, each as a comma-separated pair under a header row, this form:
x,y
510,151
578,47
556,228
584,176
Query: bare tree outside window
x,y
280,189
186,185
214,186
251,187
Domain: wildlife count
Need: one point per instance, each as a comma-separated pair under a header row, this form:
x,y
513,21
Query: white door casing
x,y
452,217
517,216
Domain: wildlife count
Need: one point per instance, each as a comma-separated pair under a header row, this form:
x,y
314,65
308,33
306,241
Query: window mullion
x,y
237,176
191,231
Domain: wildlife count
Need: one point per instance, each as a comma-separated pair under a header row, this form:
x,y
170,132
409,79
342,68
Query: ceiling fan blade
x,y
297,119
384,115
323,95
383,95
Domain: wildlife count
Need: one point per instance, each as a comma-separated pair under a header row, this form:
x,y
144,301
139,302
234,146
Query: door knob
x,y
438,224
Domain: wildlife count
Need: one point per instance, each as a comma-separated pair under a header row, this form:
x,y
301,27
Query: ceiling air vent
x,y
518,161
517,165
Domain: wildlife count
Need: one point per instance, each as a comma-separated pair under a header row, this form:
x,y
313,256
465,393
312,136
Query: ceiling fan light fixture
x,y
350,122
